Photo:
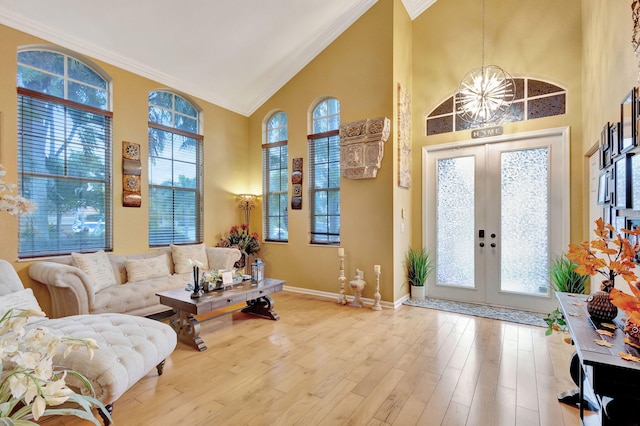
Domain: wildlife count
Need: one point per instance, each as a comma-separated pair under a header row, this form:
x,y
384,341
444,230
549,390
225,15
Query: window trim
x,y
311,190
199,189
265,178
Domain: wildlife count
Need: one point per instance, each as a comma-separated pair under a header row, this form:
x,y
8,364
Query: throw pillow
x,y
146,269
23,299
98,267
182,254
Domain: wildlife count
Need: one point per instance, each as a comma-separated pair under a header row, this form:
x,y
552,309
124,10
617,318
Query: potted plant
x,y
419,266
563,278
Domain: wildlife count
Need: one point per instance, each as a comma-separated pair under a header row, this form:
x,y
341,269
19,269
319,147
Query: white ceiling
x,y
232,53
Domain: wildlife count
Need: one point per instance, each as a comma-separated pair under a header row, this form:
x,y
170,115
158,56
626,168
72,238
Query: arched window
x,y
275,177
64,153
534,99
175,170
324,172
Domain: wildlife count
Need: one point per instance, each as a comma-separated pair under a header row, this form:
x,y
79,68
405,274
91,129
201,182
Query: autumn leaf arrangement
x,y
610,254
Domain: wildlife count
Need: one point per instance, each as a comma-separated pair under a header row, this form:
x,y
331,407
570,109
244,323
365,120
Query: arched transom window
x,y
534,99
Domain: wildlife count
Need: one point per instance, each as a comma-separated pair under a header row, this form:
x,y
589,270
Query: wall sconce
x,y
247,202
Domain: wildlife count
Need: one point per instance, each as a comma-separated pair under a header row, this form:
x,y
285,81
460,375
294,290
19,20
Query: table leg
x,y
263,307
188,329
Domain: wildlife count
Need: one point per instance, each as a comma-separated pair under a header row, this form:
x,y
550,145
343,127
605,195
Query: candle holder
x,y
376,296
342,298
196,283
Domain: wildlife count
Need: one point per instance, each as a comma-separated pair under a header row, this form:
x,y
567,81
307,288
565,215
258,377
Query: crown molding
x,y
416,7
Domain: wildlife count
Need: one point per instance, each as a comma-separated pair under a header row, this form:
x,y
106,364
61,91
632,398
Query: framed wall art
x,y
614,139
603,188
605,148
622,189
628,121
131,168
635,182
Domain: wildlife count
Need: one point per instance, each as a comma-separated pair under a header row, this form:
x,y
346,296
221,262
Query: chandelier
x,y
484,94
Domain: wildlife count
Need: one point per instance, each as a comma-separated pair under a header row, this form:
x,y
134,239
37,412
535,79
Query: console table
x,y
188,328
611,378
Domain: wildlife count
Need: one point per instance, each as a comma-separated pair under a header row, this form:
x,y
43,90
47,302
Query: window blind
x,y
275,189
64,165
324,187
175,182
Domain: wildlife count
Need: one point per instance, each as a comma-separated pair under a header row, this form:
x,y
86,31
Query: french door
x,y
495,214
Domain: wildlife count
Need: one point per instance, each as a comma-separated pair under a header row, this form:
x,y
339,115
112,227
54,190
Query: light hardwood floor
x,y
325,364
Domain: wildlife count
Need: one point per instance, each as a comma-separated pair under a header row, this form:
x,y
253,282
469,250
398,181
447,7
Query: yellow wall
x,y
610,71
540,39
225,152
356,69
402,73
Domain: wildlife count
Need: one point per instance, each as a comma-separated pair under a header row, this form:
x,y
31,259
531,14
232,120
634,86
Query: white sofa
x,y
129,346
124,287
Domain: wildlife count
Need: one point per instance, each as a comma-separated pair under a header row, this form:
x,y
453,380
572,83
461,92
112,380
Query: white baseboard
x,y
329,295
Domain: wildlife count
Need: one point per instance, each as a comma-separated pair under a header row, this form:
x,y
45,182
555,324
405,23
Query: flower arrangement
x,y
240,237
9,201
29,382
609,254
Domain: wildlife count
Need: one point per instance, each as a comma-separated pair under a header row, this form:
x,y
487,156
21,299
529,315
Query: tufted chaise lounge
x,y
129,346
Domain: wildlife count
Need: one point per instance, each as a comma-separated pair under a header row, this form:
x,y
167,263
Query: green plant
x,y
563,278
419,266
555,322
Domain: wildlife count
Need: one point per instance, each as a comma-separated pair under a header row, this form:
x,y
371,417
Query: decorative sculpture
x,y
357,285
376,296
342,299
362,147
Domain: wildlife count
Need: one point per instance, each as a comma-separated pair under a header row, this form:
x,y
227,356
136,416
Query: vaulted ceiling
x,y
235,54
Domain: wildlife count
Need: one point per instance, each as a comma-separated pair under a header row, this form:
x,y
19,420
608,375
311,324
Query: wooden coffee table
x,y
188,328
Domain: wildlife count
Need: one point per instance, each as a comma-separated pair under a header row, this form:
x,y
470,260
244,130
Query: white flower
x,y
27,374
9,202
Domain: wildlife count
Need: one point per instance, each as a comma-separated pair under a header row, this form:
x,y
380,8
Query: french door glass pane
x,y
524,217
455,220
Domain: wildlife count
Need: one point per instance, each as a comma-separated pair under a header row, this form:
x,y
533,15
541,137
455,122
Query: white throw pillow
x,y
98,267
24,300
146,269
182,254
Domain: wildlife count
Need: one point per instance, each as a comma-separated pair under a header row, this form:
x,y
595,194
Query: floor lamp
x,y
247,202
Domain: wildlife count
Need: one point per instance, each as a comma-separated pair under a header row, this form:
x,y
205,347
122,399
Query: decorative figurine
x,y
357,285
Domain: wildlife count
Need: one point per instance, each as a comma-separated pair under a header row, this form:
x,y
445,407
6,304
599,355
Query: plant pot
x,y
418,292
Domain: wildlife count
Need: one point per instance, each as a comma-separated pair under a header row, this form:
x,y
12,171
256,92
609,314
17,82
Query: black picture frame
x,y
622,179
631,224
635,182
603,188
605,148
606,214
614,140
628,117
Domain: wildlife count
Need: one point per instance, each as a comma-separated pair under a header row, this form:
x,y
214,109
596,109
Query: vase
x,y
599,305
